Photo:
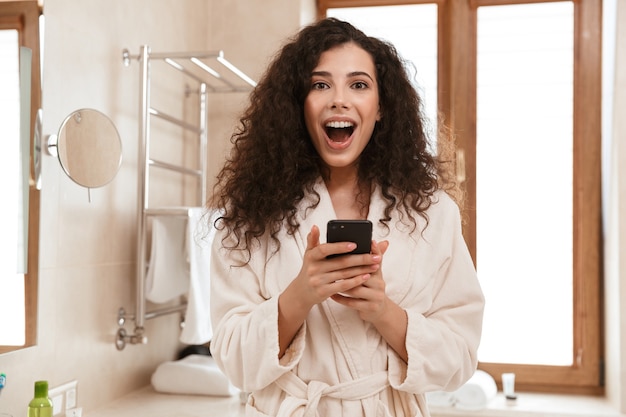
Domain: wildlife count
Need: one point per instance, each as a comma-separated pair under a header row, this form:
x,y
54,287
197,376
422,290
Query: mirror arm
x,y
51,145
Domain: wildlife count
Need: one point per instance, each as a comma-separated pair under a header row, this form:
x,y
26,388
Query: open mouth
x,y
339,131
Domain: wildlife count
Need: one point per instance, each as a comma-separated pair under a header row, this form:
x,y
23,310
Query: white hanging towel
x,y
200,234
168,270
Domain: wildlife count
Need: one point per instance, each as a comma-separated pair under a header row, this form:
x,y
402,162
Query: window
x,y
519,85
11,278
19,27
524,96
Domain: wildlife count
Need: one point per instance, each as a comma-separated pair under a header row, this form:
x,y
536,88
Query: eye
x,y
360,85
319,85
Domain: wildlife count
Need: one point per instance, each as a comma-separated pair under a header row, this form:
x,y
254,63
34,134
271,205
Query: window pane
x,y
11,283
412,29
524,159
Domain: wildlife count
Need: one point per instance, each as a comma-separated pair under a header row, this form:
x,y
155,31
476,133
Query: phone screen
x,y
357,231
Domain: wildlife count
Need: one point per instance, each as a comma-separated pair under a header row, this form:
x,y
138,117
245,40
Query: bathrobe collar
x,y
325,211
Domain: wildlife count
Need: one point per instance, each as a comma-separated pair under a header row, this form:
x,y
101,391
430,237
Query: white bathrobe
x,y
338,365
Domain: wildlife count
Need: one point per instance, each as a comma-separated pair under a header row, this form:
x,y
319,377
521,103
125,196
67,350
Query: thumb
x,y
313,238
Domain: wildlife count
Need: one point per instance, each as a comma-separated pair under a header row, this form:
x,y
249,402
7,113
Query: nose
x,y
339,99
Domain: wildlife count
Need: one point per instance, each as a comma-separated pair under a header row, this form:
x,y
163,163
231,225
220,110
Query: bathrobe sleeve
x,y
445,317
244,314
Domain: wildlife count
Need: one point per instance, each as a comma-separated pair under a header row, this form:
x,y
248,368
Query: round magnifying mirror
x,y
89,148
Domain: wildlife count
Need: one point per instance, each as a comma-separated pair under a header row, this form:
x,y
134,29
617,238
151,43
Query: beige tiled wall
x,y
87,248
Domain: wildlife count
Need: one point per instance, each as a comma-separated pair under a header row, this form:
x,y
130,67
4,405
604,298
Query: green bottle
x,y
40,406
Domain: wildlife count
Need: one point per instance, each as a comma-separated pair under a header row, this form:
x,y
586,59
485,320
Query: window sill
x,y
536,405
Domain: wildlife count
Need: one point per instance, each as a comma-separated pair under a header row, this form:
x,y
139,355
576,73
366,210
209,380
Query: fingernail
x,y
376,258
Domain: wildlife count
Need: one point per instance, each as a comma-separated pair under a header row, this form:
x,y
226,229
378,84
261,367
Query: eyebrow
x,y
350,74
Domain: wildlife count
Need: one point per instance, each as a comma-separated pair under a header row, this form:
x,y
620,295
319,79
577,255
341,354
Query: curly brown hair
x,y
273,164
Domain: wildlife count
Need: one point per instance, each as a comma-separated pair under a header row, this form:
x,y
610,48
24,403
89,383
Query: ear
x,y
378,115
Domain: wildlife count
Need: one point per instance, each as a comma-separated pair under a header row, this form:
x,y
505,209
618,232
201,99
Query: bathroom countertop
x,y
148,402
536,405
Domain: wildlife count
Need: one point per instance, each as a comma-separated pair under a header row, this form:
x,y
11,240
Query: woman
x,y
334,130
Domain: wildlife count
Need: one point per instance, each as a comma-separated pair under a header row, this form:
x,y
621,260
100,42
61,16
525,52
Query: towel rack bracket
x,y
138,337
123,338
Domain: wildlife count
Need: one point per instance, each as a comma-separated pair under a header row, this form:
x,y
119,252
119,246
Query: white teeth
x,y
339,125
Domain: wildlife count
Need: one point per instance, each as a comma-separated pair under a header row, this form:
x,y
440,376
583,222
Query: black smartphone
x,y
357,231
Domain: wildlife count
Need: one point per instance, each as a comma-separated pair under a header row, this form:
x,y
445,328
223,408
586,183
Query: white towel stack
x,y
440,398
195,375
475,394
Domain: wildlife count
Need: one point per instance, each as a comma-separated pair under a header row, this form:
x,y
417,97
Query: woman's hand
x,y
373,305
320,278
369,298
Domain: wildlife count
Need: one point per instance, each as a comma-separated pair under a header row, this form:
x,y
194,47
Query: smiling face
x,y
342,108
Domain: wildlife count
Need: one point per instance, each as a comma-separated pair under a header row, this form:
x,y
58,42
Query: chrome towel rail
x,y
196,66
